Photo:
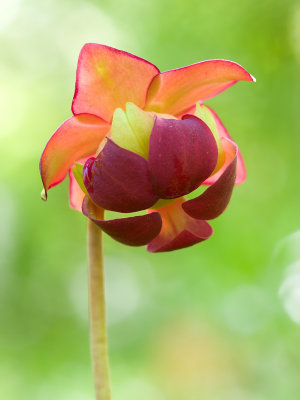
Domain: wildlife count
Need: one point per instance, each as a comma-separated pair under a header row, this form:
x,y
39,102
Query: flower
x,y
142,140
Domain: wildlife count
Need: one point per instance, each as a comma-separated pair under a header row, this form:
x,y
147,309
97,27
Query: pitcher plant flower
x,y
158,142
141,140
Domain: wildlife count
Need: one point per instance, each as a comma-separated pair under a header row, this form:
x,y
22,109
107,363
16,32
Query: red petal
x,y
76,195
240,166
133,231
108,78
118,180
182,154
215,199
178,229
75,138
172,92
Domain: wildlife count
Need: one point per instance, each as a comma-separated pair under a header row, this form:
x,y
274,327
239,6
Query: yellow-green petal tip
x,y
43,195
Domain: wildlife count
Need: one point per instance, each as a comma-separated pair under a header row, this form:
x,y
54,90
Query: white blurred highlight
x,y
9,10
247,309
124,290
289,291
287,258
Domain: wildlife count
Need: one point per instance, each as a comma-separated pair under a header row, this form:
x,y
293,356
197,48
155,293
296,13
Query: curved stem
x,y
98,338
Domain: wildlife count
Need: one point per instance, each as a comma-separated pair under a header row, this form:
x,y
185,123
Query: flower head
x,y
142,140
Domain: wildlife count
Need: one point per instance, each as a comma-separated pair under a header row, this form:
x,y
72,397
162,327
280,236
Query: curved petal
x,y
107,78
240,166
182,154
178,229
76,194
77,137
214,200
175,91
133,231
119,180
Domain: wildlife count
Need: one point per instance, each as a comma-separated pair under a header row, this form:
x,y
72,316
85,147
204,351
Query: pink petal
x,y
182,154
178,230
119,180
76,194
215,199
173,92
133,231
107,78
240,166
77,137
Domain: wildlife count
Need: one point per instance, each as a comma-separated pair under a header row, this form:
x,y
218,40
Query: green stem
x,y
98,339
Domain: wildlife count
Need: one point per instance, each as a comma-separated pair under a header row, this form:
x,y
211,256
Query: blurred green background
x,y
218,321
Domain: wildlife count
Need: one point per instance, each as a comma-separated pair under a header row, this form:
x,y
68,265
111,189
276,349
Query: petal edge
x,y
179,230
107,78
240,166
182,154
77,137
214,200
132,231
174,91
119,180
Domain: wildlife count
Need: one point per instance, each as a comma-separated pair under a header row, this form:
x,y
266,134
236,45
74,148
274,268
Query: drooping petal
x,y
119,180
77,137
182,154
178,229
76,195
76,191
107,78
214,200
133,231
174,91
240,166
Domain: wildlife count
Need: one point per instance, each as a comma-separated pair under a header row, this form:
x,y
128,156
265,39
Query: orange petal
x,y
76,138
108,78
240,166
179,230
174,91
